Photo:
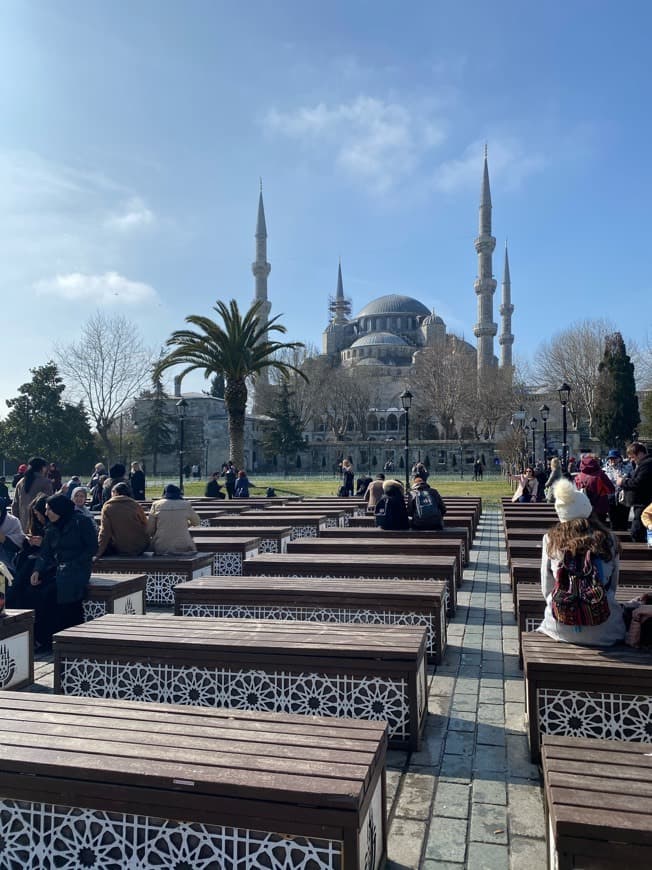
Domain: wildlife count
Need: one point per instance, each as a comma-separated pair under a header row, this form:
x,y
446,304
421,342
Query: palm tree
x,y
238,350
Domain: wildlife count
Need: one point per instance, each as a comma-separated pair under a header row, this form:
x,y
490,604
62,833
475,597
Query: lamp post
x,y
564,394
526,445
518,423
406,402
533,426
181,407
461,459
544,410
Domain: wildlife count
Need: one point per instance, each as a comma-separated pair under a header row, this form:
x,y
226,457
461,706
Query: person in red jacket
x,y
596,484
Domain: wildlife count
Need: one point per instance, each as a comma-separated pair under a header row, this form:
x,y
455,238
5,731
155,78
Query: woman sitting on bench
x,y
168,523
579,574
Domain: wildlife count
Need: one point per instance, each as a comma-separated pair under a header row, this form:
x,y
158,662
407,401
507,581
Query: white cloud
x,y
107,289
377,142
134,215
508,159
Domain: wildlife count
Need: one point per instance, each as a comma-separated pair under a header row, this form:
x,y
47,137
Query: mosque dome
x,y
373,339
433,319
393,304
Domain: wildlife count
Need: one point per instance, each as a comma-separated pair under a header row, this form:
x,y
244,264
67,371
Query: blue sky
x,y
134,134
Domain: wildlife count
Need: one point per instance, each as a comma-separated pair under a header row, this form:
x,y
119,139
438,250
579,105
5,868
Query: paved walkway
x,y
471,798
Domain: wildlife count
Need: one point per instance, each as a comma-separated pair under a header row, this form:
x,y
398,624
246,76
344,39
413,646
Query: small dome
x,y
432,319
373,339
393,304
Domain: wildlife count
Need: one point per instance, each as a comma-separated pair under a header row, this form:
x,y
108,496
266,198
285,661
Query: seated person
x,y
425,507
12,538
391,513
374,492
123,525
79,494
168,522
21,593
214,487
242,485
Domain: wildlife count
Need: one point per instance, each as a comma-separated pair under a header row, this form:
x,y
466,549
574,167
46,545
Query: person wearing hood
x,y
595,483
79,496
577,532
123,525
69,544
390,511
32,483
117,474
168,522
12,538
435,519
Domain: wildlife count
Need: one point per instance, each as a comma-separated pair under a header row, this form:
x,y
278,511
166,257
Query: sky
x,y
134,134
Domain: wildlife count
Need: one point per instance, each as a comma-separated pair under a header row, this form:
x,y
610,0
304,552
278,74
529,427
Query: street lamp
x,y
544,410
526,445
406,402
181,407
564,394
461,459
533,426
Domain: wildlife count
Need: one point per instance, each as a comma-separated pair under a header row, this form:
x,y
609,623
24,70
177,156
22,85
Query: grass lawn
x,y
491,488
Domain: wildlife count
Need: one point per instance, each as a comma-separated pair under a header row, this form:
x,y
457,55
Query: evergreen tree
x,y
646,410
41,423
283,436
157,429
616,404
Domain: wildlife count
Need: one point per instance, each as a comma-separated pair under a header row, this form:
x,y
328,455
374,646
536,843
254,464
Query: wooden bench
x,y
16,649
273,539
115,593
531,607
378,602
163,572
291,667
358,565
457,536
302,527
456,520
334,518
598,800
586,691
113,784
397,548
228,553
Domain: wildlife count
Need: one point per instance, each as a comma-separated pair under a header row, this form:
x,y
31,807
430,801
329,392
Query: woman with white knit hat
x,y
577,533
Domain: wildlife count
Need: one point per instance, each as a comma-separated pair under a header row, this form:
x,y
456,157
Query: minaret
x,y
260,267
485,285
506,339
340,307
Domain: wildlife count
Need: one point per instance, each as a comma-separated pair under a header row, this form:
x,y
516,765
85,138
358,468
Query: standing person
x,y
32,483
22,594
213,487
565,546
637,488
347,478
242,485
390,511
595,483
614,467
117,474
97,493
12,538
123,526
477,469
168,522
69,544
553,477
20,473
195,472
420,470
54,475
426,507
137,481
4,492
374,492
229,478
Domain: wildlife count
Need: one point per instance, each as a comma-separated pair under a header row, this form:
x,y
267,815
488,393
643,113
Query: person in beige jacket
x,y
168,522
123,525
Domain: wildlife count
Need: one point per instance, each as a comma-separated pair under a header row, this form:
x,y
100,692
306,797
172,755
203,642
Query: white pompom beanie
x,y
571,503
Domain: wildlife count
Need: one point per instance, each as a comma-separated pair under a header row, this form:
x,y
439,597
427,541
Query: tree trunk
x,y
235,401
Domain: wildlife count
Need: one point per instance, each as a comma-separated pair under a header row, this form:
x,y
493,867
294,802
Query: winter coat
x,y
70,548
437,523
213,490
595,483
241,487
109,483
607,633
167,525
391,513
373,494
527,489
123,527
137,483
22,499
640,483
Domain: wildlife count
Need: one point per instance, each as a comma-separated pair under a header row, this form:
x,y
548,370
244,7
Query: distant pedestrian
x,y
477,469
230,474
137,481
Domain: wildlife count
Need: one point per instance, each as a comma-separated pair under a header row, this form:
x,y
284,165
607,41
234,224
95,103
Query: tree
x,y
157,430
573,356
41,423
106,367
238,348
646,410
616,405
283,435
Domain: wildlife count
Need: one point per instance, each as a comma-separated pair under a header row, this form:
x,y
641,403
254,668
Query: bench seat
x,y
598,800
228,553
112,784
379,602
273,539
302,527
292,667
115,593
359,565
16,649
577,691
448,535
163,572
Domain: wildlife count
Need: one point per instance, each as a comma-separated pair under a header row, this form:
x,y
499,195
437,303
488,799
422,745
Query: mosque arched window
x,y
392,423
372,423
381,424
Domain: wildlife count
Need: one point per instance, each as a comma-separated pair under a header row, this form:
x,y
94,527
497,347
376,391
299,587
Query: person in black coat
x,y
213,487
69,544
390,511
637,489
137,481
